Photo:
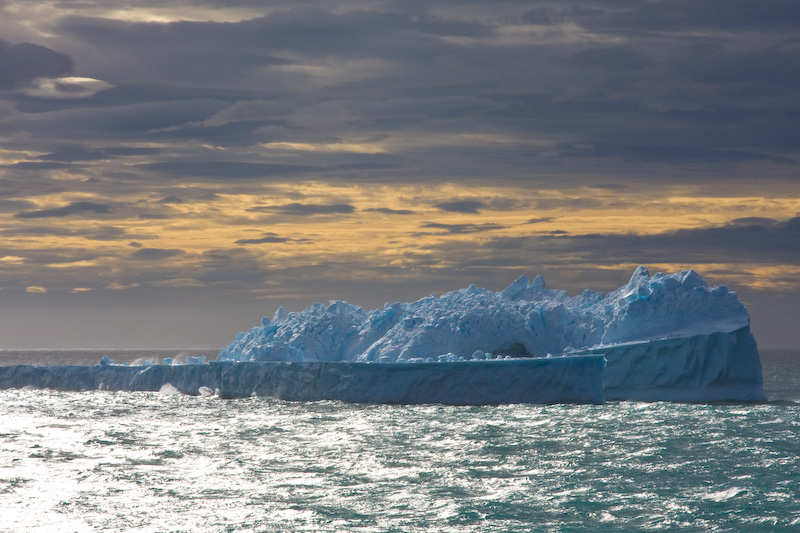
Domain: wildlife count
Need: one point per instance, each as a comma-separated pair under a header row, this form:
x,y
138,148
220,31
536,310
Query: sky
x,y
173,170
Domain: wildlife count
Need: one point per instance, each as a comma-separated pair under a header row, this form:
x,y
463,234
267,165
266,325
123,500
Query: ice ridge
x,y
525,319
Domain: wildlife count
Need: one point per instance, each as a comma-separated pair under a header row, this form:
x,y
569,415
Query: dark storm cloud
x,y
297,209
23,62
84,209
462,206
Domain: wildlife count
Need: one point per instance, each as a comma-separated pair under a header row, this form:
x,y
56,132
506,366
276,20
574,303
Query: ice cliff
x,y
662,337
573,379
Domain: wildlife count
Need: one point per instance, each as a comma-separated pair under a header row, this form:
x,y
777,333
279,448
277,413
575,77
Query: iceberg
x,y
666,337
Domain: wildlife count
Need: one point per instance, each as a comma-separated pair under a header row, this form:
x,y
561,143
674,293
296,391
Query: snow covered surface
x,y
524,319
664,337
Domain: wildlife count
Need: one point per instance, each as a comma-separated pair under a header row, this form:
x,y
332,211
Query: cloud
x,y
170,200
674,153
297,209
742,240
114,286
70,87
223,170
72,154
406,78
261,42
457,229
389,211
271,238
39,166
755,221
569,203
267,239
74,208
35,289
98,233
666,15
155,254
462,206
22,63
609,58
758,240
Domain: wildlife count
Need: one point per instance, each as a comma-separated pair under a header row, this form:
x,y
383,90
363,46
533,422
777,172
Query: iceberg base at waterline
x,y
575,379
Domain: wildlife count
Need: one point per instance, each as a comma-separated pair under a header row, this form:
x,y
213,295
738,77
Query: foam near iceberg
x,y
662,337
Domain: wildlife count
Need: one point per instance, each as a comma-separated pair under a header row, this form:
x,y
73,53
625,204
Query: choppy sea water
x,y
136,461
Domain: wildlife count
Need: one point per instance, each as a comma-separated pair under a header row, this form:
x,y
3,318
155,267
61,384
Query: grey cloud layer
x,y
647,83
611,91
75,208
759,240
21,63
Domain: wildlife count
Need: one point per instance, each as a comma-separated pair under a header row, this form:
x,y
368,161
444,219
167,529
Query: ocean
x,y
158,462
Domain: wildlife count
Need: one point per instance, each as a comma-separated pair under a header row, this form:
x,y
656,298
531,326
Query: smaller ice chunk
x,y
516,288
281,314
169,389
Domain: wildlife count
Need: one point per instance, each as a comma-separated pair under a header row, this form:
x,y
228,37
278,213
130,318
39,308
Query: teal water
x,y
100,461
